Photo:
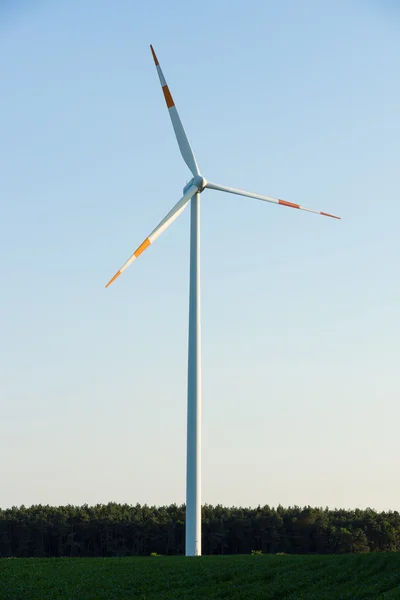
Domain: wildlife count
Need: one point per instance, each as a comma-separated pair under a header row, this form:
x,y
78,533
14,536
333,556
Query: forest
x,y
126,530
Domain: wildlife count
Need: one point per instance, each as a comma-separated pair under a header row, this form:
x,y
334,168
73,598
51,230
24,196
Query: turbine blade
x,y
161,227
183,142
222,188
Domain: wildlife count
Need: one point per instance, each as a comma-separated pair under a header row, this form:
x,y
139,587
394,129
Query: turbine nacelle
x,y
199,181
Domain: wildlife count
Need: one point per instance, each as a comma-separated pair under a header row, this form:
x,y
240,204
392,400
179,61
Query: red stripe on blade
x,y
167,96
284,203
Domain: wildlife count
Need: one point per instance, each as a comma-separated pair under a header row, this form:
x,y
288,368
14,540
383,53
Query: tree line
x,y
125,530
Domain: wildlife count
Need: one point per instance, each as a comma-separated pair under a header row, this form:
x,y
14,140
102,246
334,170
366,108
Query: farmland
x,y
369,576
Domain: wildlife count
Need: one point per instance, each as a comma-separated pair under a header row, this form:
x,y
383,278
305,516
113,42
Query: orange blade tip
x,y
332,216
154,55
117,274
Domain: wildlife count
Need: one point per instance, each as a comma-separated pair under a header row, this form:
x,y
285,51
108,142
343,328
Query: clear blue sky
x,y
301,323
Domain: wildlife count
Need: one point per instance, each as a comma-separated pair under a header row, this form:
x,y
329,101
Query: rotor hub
x,y
199,181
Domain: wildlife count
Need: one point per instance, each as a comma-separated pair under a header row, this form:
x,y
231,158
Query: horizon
x,y
208,505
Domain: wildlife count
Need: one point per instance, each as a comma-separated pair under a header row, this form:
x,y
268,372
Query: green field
x,y
374,576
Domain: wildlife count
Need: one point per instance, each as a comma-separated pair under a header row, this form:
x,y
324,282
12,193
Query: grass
x,y
345,577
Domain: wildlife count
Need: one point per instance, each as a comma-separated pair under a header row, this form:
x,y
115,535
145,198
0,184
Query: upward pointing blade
x,y
161,227
183,142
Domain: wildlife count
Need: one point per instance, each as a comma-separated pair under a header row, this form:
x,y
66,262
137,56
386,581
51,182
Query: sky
x,y
300,319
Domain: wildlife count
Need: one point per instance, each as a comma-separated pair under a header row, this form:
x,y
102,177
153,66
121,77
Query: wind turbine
x,y
191,192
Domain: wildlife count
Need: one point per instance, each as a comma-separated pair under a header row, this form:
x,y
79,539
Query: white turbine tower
x,y
192,192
